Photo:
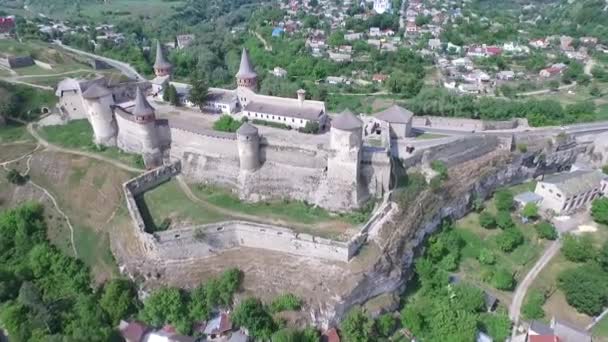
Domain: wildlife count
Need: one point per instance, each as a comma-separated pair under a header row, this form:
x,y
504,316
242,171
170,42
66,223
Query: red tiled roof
x,y
331,335
134,331
543,338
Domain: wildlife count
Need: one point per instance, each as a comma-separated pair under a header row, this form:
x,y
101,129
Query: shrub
x,y
578,248
478,204
585,287
226,123
286,302
508,240
441,168
599,210
546,230
503,280
311,127
504,200
533,307
504,220
486,257
252,315
386,325
523,148
486,220
530,211
14,177
270,124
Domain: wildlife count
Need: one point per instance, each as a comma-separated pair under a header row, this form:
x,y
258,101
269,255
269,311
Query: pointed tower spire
x,y
246,77
161,66
142,111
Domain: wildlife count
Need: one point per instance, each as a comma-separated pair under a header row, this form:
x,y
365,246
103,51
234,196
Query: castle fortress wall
x,y
463,123
207,240
464,149
135,137
281,153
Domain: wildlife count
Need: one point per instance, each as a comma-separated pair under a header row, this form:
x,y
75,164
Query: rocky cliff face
x,y
401,240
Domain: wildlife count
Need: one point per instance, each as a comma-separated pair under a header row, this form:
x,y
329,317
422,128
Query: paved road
x,y
125,68
522,287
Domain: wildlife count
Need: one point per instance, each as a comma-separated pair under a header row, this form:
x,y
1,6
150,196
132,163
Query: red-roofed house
x,y
7,24
379,78
330,335
543,338
218,327
133,331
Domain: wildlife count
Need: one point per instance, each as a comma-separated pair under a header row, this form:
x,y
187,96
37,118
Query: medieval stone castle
x,y
334,170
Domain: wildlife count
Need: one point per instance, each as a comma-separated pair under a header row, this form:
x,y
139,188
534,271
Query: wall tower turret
x,y
98,103
161,66
248,141
246,77
144,116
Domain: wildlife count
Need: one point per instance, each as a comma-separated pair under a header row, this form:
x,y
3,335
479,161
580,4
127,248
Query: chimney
x,y
301,96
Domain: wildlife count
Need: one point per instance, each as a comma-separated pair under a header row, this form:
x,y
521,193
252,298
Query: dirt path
x,y
15,81
51,75
28,155
522,287
589,66
267,46
546,91
51,147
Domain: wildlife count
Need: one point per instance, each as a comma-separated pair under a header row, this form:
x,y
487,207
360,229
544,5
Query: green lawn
x,y
12,133
78,134
166,206
600,330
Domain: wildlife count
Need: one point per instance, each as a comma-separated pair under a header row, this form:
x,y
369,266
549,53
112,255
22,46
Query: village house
x,y
565,43
330,335
505,75
483,51
540,43
340,57
566,192
279,72
434,44
588,41
411,28
557,331
379,78
353,36
184,40
218,327
7,24
336,80
555,69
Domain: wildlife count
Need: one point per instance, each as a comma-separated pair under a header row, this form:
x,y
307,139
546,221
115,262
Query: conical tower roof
x,y
142,106
247,129
246,68
160,62
347,121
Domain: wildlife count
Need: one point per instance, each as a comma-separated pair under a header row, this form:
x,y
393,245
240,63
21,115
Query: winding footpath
x,y
51,147
522,287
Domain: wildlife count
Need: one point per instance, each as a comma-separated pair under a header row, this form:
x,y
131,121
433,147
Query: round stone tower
x,y
248,142
161,66
246,77
145,118
98,103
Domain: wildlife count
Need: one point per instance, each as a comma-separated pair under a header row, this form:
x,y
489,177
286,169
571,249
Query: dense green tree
x,y
599,210
166,306
386,325
578,248
503,200
530,211
533,307
503,280
498,325
467,298
486,220
509,239
504,220
199,90
602,257
14,177
226,123
119,299
357,326
170,95
252,314
546,230
486,257
585,287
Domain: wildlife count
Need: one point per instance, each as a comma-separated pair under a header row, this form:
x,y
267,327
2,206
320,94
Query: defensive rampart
x,y
207,240
465,124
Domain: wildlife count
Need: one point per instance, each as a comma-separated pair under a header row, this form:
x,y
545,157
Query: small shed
x,y
527,197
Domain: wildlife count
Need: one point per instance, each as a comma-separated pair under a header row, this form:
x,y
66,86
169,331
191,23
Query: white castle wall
x,y
463,123
101,117
73,105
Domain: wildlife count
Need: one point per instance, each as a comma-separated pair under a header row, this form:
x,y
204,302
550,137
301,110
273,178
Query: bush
x,y
311,127
286,302
252,315
226,123
523,148
578,248
270,124
530,211
508,240
357,326
504,220
585,288
441,168
533,307
599,210
504,200
486,220
486,257
503,280
386,325
14,177
498,325
546,230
